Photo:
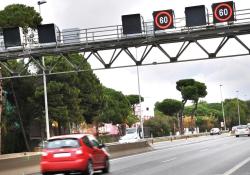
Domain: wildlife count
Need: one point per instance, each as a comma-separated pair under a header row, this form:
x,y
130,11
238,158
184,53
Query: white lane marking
x,y
169,160
149,152
202,150
182,143
162,150
236,167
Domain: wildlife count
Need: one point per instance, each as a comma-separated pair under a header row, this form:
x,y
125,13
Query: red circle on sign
x,y
170,20
230,12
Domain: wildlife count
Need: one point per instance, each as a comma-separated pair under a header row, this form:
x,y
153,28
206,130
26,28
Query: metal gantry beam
x,y
36,60
119,43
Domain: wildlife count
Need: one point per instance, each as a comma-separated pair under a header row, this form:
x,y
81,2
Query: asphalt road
x,y
212,155
208,155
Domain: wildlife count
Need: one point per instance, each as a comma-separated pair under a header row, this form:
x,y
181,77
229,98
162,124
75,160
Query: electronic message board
x,y
131,24
223,12
163,19
46,33
196,16
11,37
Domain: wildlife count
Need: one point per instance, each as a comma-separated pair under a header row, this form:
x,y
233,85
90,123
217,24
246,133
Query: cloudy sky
x,y
159,81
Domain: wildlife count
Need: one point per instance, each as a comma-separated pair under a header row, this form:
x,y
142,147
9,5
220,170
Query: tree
x,y
133,100
64,104
205,123
169,106
116,108
17,114
206,109
20,15
190,90
91,90
72,98
231,112
248,110
131,119
159,125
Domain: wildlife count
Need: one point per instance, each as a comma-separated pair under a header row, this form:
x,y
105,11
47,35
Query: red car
x,y
74,153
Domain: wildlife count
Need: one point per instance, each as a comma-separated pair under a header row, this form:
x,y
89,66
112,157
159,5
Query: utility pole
x,y
238,105
139,90
45,84
1,109
222,106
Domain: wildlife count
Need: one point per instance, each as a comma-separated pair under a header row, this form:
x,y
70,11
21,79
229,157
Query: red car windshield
x,y
62,143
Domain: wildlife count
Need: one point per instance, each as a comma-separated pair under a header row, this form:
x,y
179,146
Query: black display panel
x,y
11,37
196,16
46,33
131,24
223,12
163,19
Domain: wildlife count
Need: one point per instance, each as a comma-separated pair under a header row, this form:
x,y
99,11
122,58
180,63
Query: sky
x,y
157,82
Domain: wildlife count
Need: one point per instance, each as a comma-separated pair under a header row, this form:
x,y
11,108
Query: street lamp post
x,y
46,101
39,3
45,85
222,106
238,106
139,92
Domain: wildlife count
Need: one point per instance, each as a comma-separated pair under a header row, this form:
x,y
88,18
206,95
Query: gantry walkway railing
x,y
91,41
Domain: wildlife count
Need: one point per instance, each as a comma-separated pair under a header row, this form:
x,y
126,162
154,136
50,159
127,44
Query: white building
x,y
147,110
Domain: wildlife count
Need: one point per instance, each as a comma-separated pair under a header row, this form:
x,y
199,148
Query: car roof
x,y
75,136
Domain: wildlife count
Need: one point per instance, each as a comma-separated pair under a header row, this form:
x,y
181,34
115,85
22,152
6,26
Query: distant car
x,y
72,154
242,130
215,131
131,136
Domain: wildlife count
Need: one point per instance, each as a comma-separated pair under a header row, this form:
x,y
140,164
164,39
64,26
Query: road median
x,y
126,149
21,163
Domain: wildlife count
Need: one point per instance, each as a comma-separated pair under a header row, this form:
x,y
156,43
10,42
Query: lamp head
x,y
41,2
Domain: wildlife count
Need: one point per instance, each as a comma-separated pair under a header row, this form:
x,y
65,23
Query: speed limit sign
x,y
163,19
223,12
